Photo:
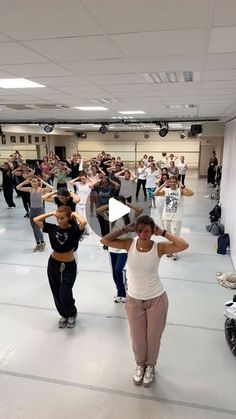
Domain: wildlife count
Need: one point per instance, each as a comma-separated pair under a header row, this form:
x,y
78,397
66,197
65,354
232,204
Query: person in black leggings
x,y
64,239
7,184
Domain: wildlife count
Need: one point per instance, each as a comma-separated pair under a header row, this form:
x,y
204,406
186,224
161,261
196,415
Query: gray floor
x,y
87,372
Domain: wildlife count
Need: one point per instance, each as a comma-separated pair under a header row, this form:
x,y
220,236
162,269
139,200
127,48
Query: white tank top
x,y
142,273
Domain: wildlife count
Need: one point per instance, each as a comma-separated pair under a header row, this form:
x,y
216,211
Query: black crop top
x,y
63,239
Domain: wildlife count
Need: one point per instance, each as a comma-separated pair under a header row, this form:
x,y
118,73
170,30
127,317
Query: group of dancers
x,y
128,239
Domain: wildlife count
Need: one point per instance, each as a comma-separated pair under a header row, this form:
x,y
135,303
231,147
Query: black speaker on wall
x,y
196,130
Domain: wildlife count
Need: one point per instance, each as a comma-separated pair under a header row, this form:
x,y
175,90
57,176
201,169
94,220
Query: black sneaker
x,y
26,215
105,247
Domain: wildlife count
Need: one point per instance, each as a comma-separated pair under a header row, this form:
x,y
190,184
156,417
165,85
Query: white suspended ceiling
x,y
87,51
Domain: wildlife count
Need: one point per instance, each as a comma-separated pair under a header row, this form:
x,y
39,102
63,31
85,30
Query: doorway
x,y
60,151
205,154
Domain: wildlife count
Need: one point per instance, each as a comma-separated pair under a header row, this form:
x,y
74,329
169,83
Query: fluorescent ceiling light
x,y
90,108
132,112
18,84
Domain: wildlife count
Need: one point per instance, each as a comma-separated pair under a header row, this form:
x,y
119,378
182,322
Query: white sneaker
x,y
123,299
71,321
42,247
117,299
138,375
148,376
62,322
37,248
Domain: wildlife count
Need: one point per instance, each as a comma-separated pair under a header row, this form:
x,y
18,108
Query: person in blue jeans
x,y
119,256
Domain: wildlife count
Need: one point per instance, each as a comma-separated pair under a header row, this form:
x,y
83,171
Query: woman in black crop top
x,y
64,239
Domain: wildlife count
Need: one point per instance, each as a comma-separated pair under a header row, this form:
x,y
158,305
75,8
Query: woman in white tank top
x,y
146,302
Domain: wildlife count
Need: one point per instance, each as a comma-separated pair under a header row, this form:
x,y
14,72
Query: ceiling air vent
x,y
172,77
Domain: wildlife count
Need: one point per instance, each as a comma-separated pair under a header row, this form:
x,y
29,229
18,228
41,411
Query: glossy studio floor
x,y
86,372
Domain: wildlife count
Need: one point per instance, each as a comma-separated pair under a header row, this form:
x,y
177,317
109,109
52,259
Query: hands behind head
x,y
157,230
130,228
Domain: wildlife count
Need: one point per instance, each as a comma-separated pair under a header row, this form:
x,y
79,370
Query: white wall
x,y
228,186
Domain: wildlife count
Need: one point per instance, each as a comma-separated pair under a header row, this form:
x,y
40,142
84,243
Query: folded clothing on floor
x,y
227,280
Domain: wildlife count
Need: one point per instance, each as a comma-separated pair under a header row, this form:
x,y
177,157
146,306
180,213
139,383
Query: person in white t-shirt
x,y
84,186
182,167
141,175
127,179
173,205
152,174
146,301
119,256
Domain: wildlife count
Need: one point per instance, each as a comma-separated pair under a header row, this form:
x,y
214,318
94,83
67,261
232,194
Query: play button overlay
x,y
117,210
114,211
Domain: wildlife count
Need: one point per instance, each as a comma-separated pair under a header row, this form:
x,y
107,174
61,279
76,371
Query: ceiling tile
x,y
61,81
91,89
37,70
78,48
13,53
99,66
223,39
169,63
133,16
225,13
46,19
218,61
192,41
219,84
219,75
117,79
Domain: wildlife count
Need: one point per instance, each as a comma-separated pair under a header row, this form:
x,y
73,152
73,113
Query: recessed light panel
x,y
132,112
90,108
18,84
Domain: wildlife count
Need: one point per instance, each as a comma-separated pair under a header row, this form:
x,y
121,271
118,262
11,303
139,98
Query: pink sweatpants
x,y
147,319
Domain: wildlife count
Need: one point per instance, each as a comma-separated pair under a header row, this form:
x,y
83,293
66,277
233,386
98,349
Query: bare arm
x,y
111,239
102,209
80,220
160,191
40,218
23,188
187,192
48,188
115,184
75,197
175,244
120,173
49,197
137,209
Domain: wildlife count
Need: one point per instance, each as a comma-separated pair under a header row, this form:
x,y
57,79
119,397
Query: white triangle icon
x,y
117,210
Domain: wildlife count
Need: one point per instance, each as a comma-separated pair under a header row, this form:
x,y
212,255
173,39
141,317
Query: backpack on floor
x,y
222,244
216,228
215,213
230,334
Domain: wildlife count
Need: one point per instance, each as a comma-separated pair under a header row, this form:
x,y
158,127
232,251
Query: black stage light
x,y
103,129
164,130
116,135
146,135
48,128
196,130
182,135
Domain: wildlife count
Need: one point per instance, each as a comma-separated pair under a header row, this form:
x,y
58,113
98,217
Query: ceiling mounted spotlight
x,y
116,135
196,130
164,129
103,129
48,128
81,134
182,135
146,135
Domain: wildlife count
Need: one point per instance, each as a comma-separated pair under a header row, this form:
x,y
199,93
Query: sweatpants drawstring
x,y
61,269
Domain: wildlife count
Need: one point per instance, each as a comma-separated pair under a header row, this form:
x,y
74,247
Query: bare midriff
x,y
63,257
